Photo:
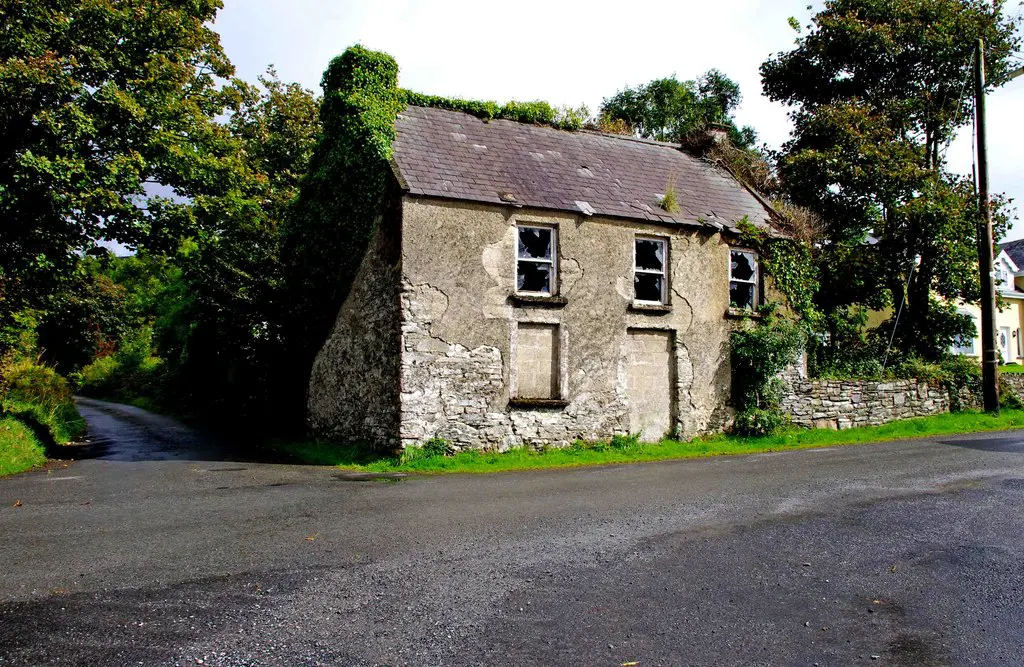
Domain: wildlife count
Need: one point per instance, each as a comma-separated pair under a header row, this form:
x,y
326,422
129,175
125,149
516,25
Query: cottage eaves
x,y
454,155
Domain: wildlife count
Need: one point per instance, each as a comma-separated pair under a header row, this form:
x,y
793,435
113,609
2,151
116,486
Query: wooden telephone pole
x,y
989,355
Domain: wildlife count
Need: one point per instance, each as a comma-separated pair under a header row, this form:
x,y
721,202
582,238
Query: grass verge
x,y
20,450
627,450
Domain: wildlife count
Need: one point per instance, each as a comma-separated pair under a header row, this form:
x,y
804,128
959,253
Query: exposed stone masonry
x,y
850,403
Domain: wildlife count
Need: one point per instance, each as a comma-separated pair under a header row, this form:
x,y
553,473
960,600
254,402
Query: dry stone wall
x,y
1015,382
843,404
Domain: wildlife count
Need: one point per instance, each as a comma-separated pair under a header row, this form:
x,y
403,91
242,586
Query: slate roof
x,y
1015,249
454,155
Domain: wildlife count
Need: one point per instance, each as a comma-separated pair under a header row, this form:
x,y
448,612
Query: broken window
x,y
650,283
535,260
743,279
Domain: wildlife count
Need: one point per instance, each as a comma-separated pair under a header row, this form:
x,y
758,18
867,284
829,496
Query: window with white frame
x,y
650,282
536,260
965,344
743,279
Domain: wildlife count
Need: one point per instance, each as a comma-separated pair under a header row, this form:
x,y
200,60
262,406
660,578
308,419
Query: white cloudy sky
x,y
565,53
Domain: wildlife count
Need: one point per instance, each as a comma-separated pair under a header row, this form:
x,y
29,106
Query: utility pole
x,y
989,356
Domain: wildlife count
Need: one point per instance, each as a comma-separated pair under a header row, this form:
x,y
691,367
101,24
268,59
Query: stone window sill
x,y
554,301
742,314
650,308
537,403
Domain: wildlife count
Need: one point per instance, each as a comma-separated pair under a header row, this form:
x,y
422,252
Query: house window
x,y
650,284
536,267
743,279
965,344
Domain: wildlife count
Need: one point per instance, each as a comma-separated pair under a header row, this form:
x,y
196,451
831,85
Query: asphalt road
x,y
161,547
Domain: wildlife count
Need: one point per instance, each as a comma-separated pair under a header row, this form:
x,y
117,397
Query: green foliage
x,y
20,449
131,374
878,89
537,113
670,200
40,397
98,99
432,448
791,266
85,319
340,202
760,352
670,110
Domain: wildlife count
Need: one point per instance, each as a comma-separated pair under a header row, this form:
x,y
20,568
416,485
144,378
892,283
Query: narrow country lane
x,y
160,546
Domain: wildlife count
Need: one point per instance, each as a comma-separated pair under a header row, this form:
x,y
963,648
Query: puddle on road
x,y
391,477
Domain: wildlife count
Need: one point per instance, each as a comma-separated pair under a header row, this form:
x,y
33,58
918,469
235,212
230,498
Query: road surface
x,y
161,547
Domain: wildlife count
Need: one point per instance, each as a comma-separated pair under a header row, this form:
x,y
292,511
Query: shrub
x,y
432,448
760,352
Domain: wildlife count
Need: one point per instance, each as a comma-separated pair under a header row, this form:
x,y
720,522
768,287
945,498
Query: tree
x,y
100,101
878,88
669,109
232,266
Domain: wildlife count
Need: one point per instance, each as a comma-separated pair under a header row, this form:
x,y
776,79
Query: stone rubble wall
x,y
353,388
1015,381
459,394
841,404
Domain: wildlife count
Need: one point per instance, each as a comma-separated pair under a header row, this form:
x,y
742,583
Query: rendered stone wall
x,y
460,327
353,389
843,404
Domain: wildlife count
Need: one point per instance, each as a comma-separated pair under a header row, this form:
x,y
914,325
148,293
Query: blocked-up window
x,y
537,373
650,282
536,264
743,279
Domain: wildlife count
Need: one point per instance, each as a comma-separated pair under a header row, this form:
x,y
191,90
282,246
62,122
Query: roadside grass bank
x,y
20,449
435,456
37,414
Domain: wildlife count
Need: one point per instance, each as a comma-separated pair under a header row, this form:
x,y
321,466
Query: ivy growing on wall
x,y
789,264
341,199
762,349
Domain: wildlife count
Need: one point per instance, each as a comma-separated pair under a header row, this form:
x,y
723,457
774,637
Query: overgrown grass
x,y
1012,369
431,459
20,450
36,413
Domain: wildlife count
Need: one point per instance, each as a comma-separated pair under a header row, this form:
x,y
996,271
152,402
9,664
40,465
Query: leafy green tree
x,y
232,267
878,88
99,101
669,110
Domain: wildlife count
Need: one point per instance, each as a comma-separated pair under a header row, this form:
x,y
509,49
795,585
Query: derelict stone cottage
x,y
526,288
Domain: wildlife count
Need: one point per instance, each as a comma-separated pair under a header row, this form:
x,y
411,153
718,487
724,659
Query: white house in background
x,y
1009,275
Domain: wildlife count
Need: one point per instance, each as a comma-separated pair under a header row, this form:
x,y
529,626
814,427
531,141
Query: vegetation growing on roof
x,y
535,113
670,200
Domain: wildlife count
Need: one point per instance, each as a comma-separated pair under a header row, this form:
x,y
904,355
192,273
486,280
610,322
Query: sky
x,y
569,53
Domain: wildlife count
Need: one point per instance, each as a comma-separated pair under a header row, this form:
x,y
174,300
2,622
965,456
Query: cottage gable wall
x,y
353,389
